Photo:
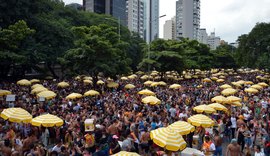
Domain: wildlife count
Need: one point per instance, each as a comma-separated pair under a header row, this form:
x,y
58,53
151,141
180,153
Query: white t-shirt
x,y
259,154
233,120
212,147
57,149
246,116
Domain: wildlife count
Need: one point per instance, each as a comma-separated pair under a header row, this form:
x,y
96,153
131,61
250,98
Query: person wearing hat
x,y
233,149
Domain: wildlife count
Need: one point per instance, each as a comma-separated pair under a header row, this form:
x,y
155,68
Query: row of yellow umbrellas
x,y
19,115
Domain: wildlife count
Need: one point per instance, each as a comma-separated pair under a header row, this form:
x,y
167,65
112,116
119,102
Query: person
x,y
57,147
208,146
5,149
218,143
201,133
258,151
241,137
233,149
233,126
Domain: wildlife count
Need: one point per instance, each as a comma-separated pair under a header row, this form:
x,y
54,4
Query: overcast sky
x,y
229,18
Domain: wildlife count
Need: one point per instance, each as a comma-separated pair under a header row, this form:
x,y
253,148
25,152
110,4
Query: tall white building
x,y
203,36
169,30
188,19
135,14
151,20
213,41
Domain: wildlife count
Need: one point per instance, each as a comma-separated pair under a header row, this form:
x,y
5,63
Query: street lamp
x,y
119,27
150,34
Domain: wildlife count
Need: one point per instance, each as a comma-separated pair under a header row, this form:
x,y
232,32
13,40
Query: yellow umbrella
x,y
218,106
124,78
34,81
4,92
251,90
233,99
125,153
154,84
100,82
17,115
204,108
38,90
47,120
148,82
91,93
219,99
112,85
152,100
182,127
228,91
146,92
220,80
88,78
256,86
225,86
129,86
144,77
207,80
86,82
62,84
201,120
214,78
133,76
74,96
162,83
238,104
139,72
36,85
236,84
24,82
47,94
168,139
263,84
175,86
241,82
249,83
78,78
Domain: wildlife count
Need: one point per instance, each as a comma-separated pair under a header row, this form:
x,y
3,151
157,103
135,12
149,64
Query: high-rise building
x,y
188,19
135,9
169,30
116,8
203,36
213,41
151,20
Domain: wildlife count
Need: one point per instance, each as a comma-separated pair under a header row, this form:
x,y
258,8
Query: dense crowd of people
x,y
123,123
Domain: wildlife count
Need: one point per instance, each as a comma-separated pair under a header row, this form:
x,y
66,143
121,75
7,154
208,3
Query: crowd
x,y
123,123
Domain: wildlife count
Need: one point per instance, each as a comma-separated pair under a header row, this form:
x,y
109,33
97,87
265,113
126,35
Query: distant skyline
x,y
229,18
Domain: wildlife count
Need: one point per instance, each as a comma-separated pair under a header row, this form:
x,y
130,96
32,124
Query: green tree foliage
x,y
97,50
15,48
254,48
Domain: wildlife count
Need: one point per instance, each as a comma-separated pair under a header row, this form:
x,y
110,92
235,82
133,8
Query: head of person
x,y
234,141
257,148
207,139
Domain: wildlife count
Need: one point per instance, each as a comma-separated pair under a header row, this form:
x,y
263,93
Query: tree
x,y
97,50
224,57
15,51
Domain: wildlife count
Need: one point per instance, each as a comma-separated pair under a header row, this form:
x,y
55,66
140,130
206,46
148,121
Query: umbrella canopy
x,y
91,93
47,94
238,104
74,96
152,100
263,84
146,92
34,81
182,127
4,92
154,84
162,83
100,82
207,80
168,139
225,86
133,76
214,78
38,90
129,86
63,84
228,91
87,82
204,108
125,153
220,80
218,106
175,86
256,86
144,77
124,78
219,99
17,115
88,78
251,90
148,82
201,120
47,120
112,85
36,85
233,99
24,82
249,83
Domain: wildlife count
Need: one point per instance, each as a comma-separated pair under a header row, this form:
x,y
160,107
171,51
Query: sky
x,y
228,18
